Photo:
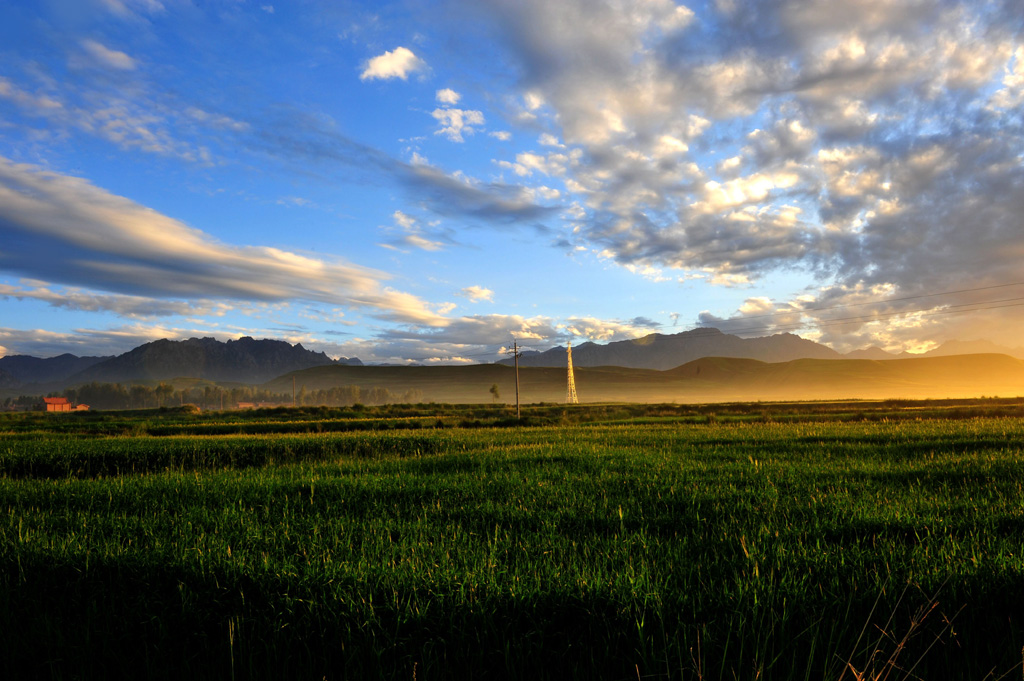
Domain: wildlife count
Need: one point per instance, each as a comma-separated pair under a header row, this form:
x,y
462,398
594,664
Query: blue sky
x,y
423,181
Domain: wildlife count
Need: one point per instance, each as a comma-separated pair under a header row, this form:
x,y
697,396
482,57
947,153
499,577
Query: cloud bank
x,y
64,229
874,146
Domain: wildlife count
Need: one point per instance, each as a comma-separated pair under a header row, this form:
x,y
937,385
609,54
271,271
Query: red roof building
x,y
56,404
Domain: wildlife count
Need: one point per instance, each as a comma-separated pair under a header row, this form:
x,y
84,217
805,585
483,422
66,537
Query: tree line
x,y
213,397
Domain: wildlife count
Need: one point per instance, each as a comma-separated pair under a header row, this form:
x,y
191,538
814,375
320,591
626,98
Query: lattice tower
x,y
570,391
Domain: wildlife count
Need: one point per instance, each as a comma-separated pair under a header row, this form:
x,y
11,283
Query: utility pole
x,y
293,391
516,354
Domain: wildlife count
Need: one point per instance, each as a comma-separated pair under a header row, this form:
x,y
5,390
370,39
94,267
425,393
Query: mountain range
x,y
250,361
667,351
24,369
245,360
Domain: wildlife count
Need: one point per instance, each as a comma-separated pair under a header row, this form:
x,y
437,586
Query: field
x,y
773,541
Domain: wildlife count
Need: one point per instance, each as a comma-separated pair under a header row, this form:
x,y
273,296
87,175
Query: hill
x,y
918,378
666,351
244,360
23,369
975,347
873,352
709,379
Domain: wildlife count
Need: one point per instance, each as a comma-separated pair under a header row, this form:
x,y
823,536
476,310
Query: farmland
x,y
780,541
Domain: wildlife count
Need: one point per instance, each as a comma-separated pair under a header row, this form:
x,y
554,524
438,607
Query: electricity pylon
x,y
570,390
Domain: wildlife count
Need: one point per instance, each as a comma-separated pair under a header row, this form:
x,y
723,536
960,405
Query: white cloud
x,y
756,306
445,308
86,342
62,228
410,234
129,120
122,305
670,146
133,8
448,96
39,104
455,122
1011,94
217,121
546,193
721,197
422,243
549,140
502,135
527,163
595,329
477,293
404,221
398,63
102,55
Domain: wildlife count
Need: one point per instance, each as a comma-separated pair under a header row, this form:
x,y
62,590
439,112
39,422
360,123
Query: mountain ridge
x,y
251,361
23,369
667,351
244,360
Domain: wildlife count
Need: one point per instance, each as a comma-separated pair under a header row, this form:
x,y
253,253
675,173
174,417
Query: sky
x,y
425,181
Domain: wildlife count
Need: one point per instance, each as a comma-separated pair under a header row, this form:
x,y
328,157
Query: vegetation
x,y
709,379
782,541
212,396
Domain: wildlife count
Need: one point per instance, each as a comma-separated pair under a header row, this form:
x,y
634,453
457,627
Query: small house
x,y
56,404
61,404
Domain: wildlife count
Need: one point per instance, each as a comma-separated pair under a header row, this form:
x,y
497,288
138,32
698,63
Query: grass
x,y
800,547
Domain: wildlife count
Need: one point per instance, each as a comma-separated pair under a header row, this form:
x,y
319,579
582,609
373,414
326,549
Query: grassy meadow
x,y
745,541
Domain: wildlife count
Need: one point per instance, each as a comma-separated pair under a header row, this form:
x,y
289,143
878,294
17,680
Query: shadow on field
x,y
120,621
107,457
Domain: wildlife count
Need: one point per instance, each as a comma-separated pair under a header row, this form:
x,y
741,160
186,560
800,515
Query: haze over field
x,y
418,182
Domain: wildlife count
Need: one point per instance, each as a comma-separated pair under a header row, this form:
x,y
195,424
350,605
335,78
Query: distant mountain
x,y
916,378
974,347
873,352
245,360
8,381
661,351
24,370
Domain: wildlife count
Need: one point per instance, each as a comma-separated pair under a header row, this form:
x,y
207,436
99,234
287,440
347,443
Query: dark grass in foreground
x,y
762,544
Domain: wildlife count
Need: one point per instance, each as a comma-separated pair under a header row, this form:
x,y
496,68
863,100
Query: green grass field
x,y
816,541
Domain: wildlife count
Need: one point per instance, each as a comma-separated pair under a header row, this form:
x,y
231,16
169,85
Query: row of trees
x,y
139,396
348,395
